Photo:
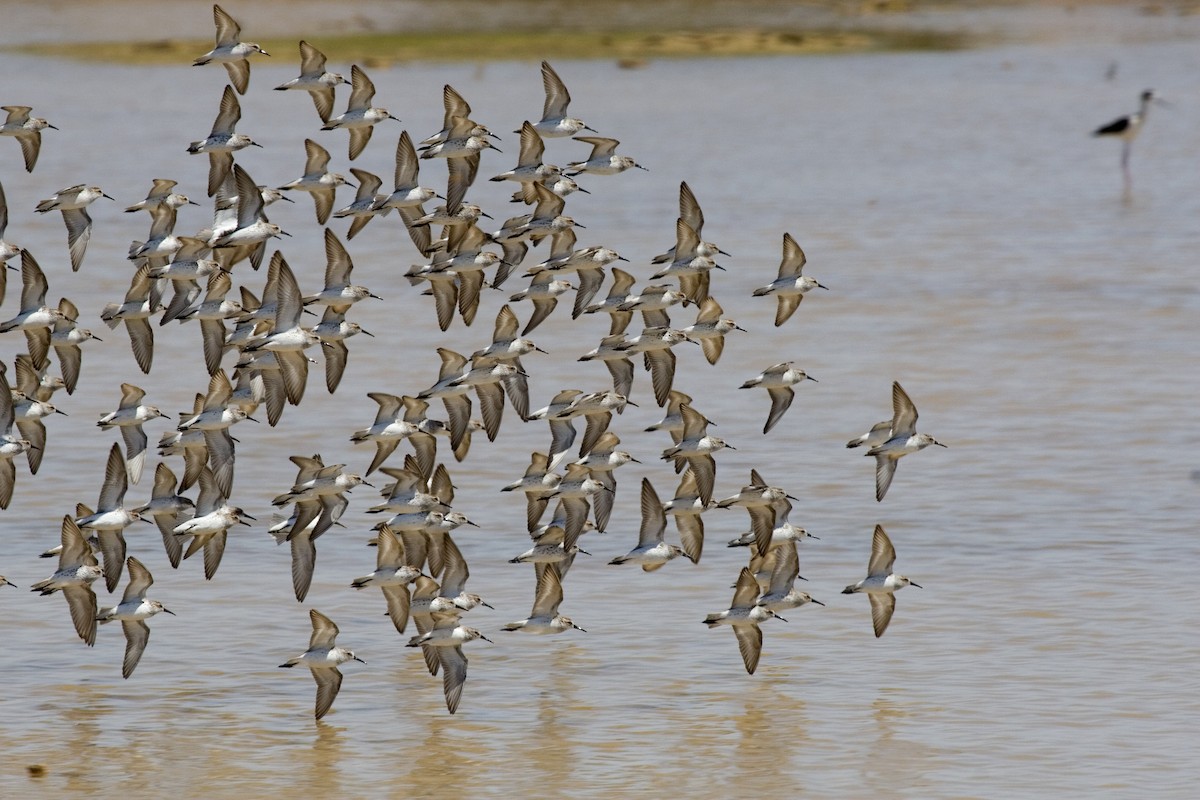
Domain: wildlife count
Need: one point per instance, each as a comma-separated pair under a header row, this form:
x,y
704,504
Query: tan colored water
x,y
977,249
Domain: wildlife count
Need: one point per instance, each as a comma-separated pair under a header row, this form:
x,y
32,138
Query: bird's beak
x,y
583,227
485,215
250,418
728,446
110,197
367,332
811,378
818,602
359,660
919,586
169,611
57,411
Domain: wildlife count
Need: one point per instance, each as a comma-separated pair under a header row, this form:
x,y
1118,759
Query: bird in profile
x,y
744,615
230,51
778,380
792,284
904,439
322,658
360,117
881,583
651,551
555,122
77,570
315,80
73,202
1126,129
544,618
27,130
132,612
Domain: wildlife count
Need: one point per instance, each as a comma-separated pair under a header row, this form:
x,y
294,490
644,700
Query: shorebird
x,y
210,527
1127,128
317,180
322,658
222,142
141,301
904,439
392,575
73,202
881,583
791,285
27,130
744,616
7,249
603,159
161,194
360,117
315,80
230,51
781,594
132,612
544,618
77,570
129,416
111,518
555,122
778,380
445,641
167,509
651,551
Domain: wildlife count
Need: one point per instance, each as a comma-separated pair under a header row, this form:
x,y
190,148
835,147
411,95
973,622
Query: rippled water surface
x,y
977,248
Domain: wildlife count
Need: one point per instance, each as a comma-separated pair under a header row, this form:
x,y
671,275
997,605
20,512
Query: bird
x,y
445,640
27,130
778,380
132,612
247,231
142,300
210,527
392,575
161,194
744,616
288,338
7,249
881,583
111,518
222,142
792,284
696,447
317,180
230,51
73,202
781,594
904,439
555,122
710,328
1127,128
167,508
544,618
603,159
651,551
322,658
359,117
315,80
129,416
77,570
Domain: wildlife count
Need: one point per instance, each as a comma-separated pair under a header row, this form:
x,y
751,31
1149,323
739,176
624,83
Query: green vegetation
x,y
626,46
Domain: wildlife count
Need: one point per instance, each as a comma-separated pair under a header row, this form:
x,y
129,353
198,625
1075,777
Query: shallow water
x,y
977,249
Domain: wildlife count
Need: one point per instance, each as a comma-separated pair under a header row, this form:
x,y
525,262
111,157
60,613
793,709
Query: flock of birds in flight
x,y
419,568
